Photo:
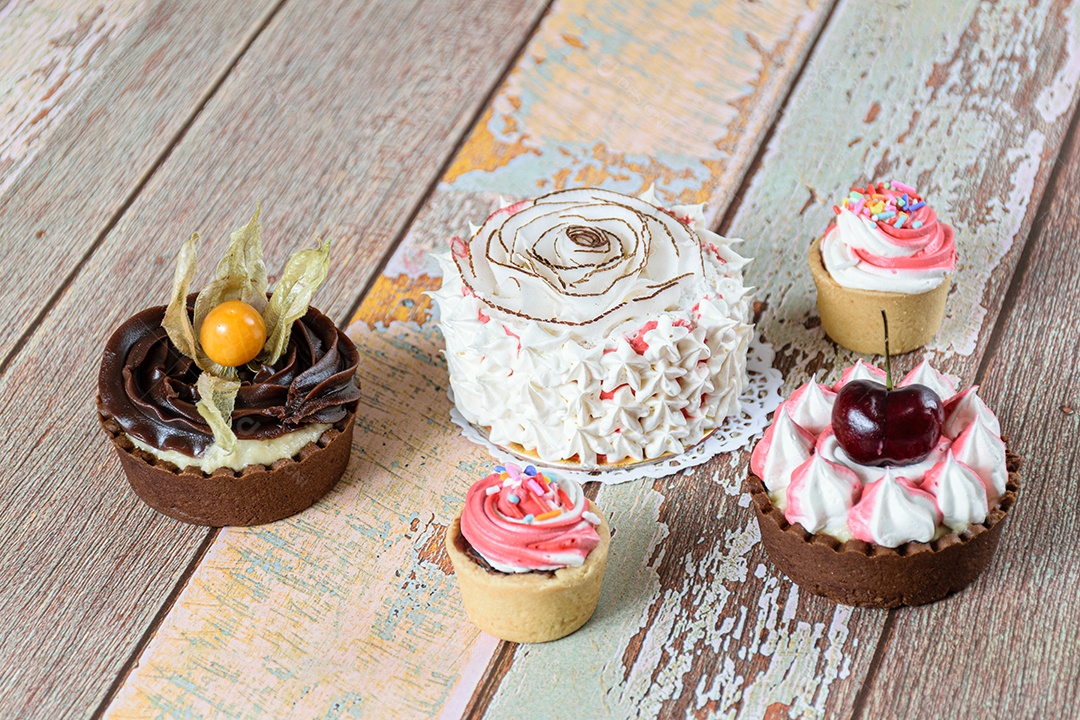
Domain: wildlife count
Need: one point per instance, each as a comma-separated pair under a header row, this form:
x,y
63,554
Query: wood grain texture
x,y
360,580
1010,645
86,112
339,118
50,53
976,131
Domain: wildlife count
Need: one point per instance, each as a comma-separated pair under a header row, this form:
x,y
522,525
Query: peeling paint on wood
x,y
1010,645
86,566
971,113
50,52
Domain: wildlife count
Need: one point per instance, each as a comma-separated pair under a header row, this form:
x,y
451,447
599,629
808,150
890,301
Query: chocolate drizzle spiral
x,y
148,387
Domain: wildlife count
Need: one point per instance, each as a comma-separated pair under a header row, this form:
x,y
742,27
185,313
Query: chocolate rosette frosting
x,y
577,256
149,388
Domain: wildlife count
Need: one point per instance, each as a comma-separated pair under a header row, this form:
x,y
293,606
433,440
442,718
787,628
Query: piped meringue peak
x,y
885,237
596,328
816,484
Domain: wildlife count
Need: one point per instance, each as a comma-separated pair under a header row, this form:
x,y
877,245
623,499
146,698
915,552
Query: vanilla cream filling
x,y
246,452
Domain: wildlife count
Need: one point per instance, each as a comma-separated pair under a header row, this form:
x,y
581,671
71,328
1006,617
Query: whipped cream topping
x,y
962,409
960,493
810,406
924,374
594,327
784,448
893,511
886,237
820,494
806,471
860,371
983,451
523,521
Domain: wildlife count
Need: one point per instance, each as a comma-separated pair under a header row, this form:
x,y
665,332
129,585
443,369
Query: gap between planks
x,y
140,183
152,628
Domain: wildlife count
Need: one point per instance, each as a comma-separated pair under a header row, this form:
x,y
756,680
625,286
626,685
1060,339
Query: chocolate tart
x,y
868,575
528,607
254,495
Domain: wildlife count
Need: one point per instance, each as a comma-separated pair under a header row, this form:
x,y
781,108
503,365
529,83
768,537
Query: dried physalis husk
x,y
177,322
303,275
217,396
241,274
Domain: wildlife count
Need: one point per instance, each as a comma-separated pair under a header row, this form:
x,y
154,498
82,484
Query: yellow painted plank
x,y
348,608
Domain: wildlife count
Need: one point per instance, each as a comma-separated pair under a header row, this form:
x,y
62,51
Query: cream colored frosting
x,y
592,324
246,452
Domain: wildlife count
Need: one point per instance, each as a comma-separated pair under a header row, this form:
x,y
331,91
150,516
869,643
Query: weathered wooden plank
x,y
1010,645
92,96
338,117
50,53
950,106
403,615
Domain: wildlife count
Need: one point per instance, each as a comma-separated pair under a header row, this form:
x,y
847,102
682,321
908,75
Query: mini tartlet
x,y
233,406
593,330
885,250
529,553
890,535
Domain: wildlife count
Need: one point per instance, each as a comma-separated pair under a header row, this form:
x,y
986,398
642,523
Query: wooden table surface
x,y
386,126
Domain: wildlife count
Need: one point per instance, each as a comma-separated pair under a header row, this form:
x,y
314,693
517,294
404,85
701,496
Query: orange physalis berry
x,y
233,333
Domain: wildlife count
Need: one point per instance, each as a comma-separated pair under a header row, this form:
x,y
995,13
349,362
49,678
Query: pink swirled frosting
x,y
811,478
886,237
523,521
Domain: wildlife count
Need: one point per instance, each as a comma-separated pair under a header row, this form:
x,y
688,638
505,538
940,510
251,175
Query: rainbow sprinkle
x,y
888,203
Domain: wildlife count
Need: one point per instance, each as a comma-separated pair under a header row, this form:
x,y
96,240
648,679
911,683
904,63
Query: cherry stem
x,y
888,359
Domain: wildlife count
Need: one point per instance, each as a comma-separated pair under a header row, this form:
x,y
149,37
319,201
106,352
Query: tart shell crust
x,y
852,317
529,607
253,496
869,575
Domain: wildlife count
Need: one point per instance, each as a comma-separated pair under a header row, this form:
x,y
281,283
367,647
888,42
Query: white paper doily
x,y
761,397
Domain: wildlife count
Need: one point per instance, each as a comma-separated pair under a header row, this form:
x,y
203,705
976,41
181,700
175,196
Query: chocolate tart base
x,y
528,607
253,496
852,317
869,575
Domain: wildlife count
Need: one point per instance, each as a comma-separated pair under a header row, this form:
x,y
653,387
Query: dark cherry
x,y
878,426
